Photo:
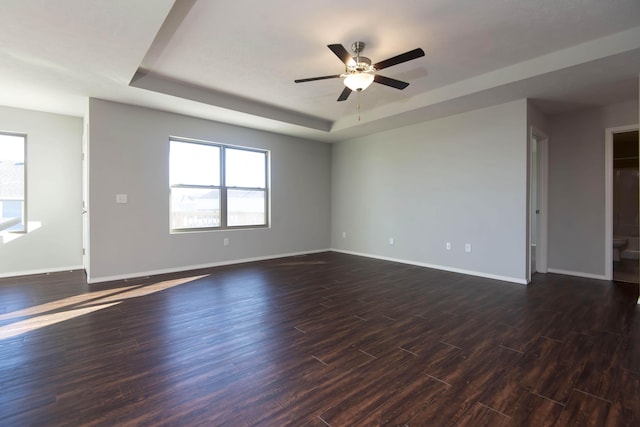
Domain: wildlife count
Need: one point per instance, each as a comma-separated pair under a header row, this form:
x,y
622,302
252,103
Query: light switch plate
x,y
121,198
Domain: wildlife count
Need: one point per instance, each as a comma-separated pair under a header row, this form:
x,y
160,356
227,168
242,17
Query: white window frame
x,y
8,224
223,188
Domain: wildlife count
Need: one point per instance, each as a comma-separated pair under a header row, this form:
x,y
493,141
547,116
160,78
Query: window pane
x,y
245,168
245,207
12,185
195,208
194,164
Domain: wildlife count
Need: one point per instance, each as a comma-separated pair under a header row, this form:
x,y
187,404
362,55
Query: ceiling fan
x,y
359,73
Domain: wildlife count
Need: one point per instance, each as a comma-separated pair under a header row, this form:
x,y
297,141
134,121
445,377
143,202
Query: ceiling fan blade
x,y
345,94
341,53
311,79
403,57
388,81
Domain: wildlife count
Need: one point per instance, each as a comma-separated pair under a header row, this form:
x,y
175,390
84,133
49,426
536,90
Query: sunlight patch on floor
x,y
62,303
28,325
78,305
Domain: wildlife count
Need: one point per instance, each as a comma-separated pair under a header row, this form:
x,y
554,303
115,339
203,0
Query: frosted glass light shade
x,y
358,81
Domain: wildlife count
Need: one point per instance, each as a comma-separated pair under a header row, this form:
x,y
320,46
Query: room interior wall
x,y
129,155
54,194
460,179
577,187
397,190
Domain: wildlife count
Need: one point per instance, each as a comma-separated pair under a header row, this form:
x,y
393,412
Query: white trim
x,y
577,274
268,257
542,163
39,271
437,267
140,274
543,204
608,189
86,236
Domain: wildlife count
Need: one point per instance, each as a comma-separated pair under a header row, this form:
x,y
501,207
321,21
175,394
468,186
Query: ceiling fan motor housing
x,y
361,64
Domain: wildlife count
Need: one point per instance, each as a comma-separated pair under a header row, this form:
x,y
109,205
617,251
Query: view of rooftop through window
x,y
12,182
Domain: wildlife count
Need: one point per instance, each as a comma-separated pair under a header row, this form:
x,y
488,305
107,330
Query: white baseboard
x,y
40,271
577,274
100,279
438,267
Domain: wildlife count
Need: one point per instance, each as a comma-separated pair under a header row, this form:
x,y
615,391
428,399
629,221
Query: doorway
x,y
608,241
537,224
623,231
85,198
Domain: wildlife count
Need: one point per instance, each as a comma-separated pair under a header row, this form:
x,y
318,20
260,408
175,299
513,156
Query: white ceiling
x,y
235,61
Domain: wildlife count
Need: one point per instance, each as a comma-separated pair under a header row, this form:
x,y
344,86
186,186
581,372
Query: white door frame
x,y
608,189
542,190
85,197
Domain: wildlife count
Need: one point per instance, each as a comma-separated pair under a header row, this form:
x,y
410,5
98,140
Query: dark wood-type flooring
x,y
324,339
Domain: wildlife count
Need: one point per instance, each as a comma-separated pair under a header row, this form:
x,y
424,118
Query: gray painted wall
x,y
460,179
129,154
576,186
54,194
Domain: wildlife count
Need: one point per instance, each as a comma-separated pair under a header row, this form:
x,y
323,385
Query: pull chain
x,y
358,107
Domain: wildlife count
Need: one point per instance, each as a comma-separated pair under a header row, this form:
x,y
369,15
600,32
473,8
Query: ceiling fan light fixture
x,y
359,73
358,81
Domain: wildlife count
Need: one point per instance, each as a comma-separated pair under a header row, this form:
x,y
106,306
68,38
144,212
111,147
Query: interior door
x,y
85,198
538,183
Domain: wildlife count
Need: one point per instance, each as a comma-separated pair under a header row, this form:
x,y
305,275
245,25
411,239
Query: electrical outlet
x,y
121,198
344,234
225,241
448,246
392,241
467,247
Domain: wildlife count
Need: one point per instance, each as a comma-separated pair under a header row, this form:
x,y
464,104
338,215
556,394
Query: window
x,y
12,182
216,186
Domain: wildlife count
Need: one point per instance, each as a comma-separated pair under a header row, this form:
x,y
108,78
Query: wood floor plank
x,y
406,401
584,410
482,415
320,340
534,410
625,399
559,366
